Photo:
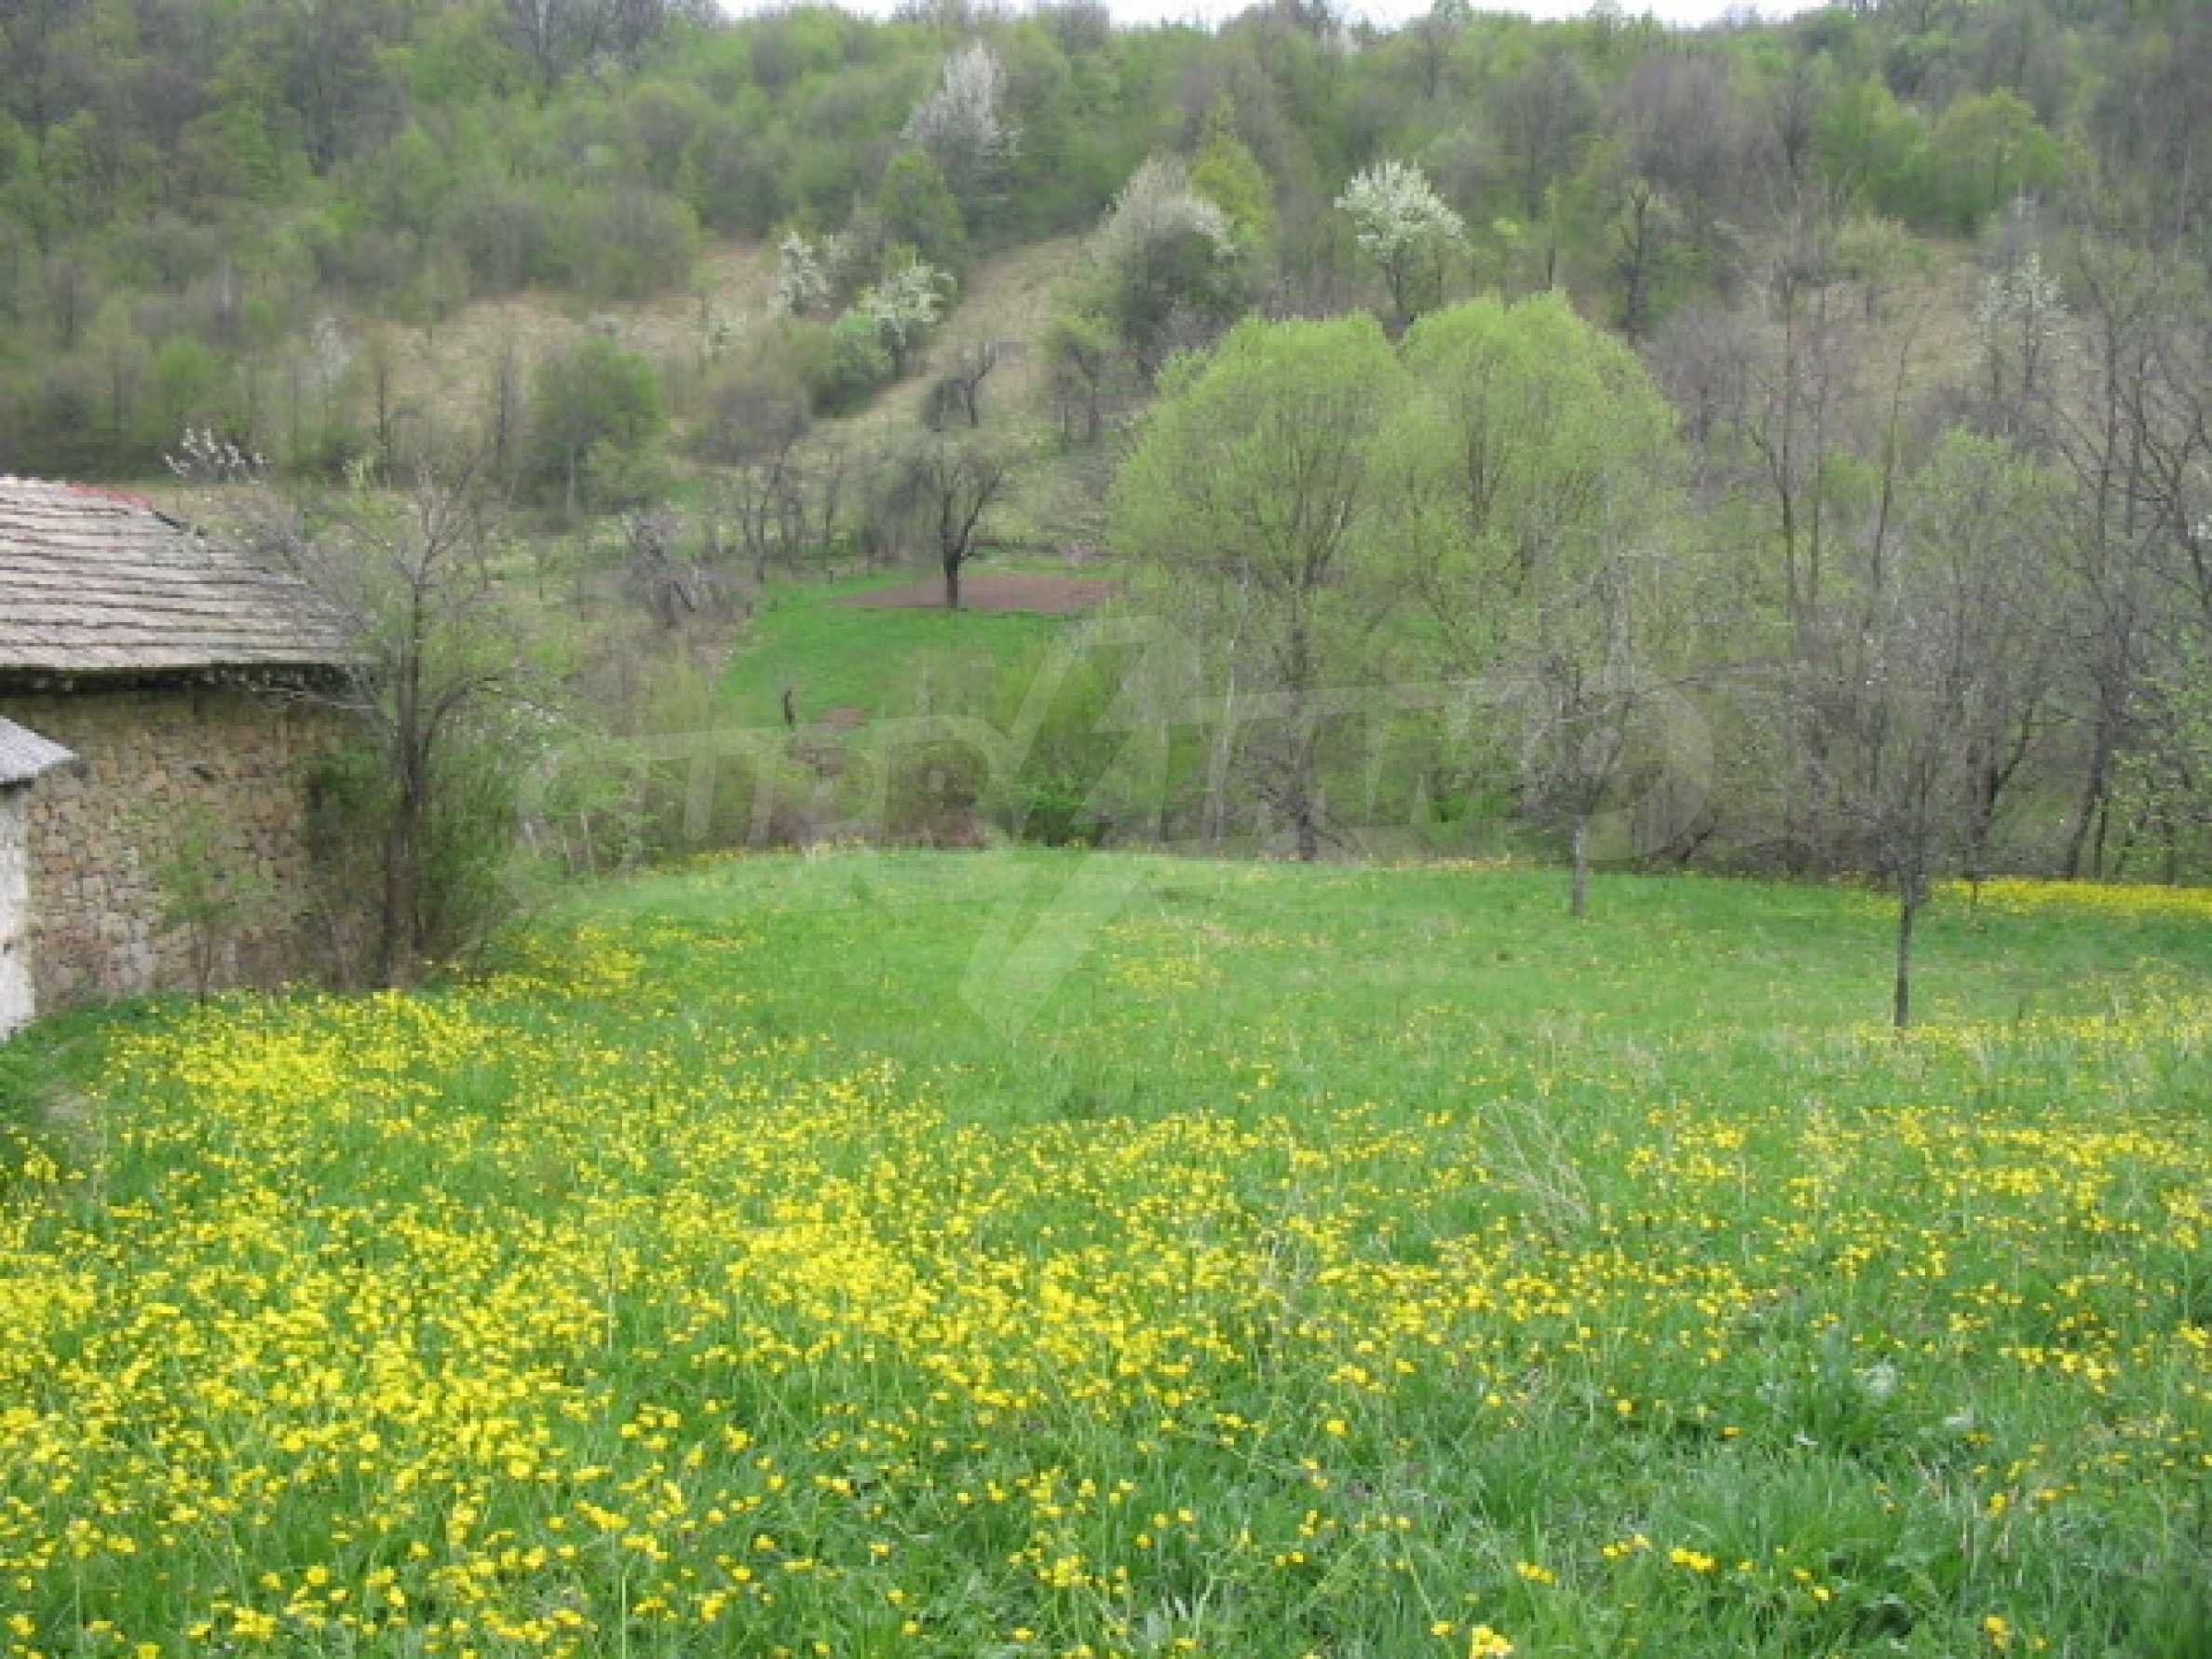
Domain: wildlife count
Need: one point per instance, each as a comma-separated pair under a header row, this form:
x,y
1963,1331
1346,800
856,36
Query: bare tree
x,y
1544,115
433,668
667,585
559,36
1642,231
948,485
958,391
1433,35
2098,415
1922,673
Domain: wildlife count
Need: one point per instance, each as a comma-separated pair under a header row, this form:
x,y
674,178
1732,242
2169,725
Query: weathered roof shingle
x,y
24,755
92,583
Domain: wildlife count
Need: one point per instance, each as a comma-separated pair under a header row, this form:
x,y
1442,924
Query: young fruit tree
x,y
1927,674
1255,497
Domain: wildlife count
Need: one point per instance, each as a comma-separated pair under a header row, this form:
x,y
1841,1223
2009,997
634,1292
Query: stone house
x,y
177,671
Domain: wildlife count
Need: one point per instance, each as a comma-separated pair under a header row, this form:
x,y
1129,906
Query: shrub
x,y
852,364
591,405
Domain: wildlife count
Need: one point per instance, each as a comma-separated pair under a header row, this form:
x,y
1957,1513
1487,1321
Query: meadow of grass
x,y
840,657
1032,1254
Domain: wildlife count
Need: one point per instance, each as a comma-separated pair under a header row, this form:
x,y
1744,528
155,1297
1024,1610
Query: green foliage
x,y
1227,174
187,384
851,366
914,207
1166,267
468,855
1986,150
1255,500
1869,143
1540,447
595,409
625,244
394,160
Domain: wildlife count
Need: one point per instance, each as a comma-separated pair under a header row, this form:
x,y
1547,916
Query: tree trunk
x,y
1908,906
398,944
952,584
2093,788
1579,904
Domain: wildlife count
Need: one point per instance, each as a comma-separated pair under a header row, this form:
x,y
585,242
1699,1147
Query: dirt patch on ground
x,y
1050,595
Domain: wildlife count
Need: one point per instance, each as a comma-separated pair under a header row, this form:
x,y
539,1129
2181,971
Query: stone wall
x,y
157,766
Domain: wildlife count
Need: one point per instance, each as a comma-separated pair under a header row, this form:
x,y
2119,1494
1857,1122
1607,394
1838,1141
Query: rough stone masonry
x,y
156,765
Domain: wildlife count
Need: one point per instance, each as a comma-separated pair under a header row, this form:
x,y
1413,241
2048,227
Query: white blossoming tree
x,y
2018,318
801,282
1165,249
1404,227
903,307
963,123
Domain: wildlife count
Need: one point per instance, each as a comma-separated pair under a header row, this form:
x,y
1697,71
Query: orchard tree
x,y
1407,230
947,485
803,278
1256,498
1927,677
1986,151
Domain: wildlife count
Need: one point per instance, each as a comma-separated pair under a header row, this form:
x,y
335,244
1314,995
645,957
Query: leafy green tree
x,y
1986,150
1867,143
591,404
187,384
1535,474
1227,174
1080,358
916,207
849,364
1256,498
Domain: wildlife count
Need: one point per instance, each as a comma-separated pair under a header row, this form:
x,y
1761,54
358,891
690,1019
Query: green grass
x,y
846,656
1040,1254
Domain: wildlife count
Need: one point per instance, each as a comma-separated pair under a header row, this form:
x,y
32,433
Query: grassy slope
x,y
998,1255
842,656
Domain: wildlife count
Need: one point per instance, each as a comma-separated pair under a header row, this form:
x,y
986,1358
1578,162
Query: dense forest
x,y
1852,374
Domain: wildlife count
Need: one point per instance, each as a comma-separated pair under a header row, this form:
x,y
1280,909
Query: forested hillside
x,y
236,212
1846,379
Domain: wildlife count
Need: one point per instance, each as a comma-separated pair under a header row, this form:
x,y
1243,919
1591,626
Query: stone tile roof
x,y
24,755
97,583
